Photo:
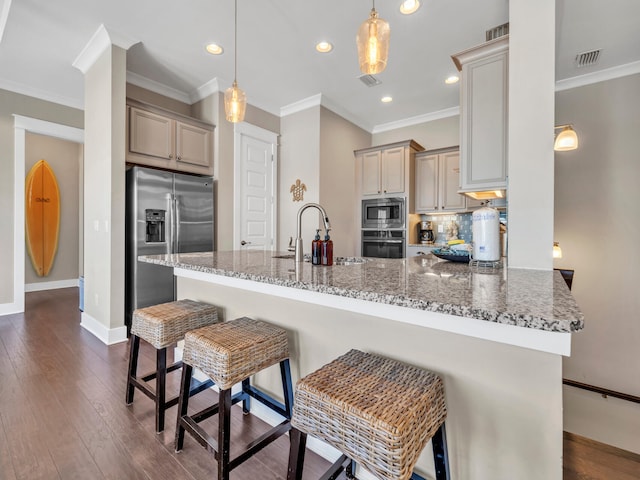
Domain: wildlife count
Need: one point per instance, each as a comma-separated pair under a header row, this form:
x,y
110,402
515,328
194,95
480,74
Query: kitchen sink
x,y
336,261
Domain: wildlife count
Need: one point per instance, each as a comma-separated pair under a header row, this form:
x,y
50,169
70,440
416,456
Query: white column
x,y
531,117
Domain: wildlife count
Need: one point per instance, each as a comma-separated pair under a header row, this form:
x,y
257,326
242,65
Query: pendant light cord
x,y
235,44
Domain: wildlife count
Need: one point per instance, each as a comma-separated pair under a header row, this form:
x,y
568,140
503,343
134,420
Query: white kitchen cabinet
x,y
438,182
387,170
162,139
483,115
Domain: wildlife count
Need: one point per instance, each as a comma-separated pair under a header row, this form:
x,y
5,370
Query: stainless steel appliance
x,y
425,232
165,213
383,213
383,243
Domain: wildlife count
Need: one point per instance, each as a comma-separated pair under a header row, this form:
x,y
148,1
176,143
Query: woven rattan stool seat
x,y
164,324
230,352
375,410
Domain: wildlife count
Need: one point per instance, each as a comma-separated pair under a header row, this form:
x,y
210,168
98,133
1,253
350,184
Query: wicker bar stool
x,y
229,353
377,412
163,325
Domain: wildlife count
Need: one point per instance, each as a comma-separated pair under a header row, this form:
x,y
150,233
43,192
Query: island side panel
x,y
504,402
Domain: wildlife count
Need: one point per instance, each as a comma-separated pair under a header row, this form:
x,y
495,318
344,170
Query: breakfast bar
x,y
496,336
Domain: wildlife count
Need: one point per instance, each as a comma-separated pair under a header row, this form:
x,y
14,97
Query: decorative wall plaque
x,y
298,190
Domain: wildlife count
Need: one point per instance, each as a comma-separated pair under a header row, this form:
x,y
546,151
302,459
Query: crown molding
x,y
157,87
22,89
407,122
599,76
205,90
99,42
300,105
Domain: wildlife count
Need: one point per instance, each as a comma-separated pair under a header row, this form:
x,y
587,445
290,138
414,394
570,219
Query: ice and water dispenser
x,y
154,232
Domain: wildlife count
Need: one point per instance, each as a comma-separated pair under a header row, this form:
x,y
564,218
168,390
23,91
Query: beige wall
x,y
65,158
441,133
337,185
153,98
597,196
300,159
10,104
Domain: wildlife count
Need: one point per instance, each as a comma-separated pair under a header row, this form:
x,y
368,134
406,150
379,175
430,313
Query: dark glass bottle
x,y
327,251
316,249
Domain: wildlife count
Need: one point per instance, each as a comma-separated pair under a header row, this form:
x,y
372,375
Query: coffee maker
x,y
425,232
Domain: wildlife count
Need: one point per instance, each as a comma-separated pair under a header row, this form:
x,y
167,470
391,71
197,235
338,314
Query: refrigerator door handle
x,y
177,224
171,214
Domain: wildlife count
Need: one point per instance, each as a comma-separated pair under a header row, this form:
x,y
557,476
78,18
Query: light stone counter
x,y
532,299
496,337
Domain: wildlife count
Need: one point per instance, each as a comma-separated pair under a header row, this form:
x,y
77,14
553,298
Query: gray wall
x,y
65,158
12,103
597,195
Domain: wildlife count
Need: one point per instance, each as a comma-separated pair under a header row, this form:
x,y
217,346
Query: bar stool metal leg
x,y
133,367
183,404
224,434
298,443
161,381
440,454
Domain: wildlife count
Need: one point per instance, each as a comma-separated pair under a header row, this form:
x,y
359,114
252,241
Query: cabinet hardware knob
x,y
170,156
179,157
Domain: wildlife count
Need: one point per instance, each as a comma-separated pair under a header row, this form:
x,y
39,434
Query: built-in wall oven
x,y
383,213
383,227
383,243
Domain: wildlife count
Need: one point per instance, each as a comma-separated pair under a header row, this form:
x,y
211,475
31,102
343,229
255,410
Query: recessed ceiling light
x,y
408,7
324,47
214,49
386,99
452,79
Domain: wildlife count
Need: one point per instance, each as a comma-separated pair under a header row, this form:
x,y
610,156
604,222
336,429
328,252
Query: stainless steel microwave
x,y
383,213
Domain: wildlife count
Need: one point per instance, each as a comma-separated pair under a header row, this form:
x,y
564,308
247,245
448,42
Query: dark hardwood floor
x,y
62,413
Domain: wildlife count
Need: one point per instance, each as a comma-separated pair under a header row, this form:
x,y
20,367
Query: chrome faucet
x,y
327,226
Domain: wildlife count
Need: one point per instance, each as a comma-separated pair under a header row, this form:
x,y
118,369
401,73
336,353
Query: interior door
x,y
255,212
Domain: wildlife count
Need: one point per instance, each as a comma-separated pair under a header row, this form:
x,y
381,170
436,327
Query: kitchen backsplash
x,y
462,220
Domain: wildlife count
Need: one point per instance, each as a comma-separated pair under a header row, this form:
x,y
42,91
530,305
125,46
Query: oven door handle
x,y
383,241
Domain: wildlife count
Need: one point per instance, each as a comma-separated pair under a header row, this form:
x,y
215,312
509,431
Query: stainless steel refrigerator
x,y
166,213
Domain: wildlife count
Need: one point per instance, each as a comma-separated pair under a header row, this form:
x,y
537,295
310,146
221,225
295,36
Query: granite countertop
x,y
526,298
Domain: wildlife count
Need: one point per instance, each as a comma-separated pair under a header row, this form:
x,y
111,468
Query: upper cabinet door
x,y
426,183
150,134
450,182
483,115
193,144
371,184
393,174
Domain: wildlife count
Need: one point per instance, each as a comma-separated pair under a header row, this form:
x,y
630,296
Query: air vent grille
x,y
499,31
369,80
586,59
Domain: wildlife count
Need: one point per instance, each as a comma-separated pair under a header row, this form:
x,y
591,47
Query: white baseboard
x,y
10,309
39,286
108,336
607,420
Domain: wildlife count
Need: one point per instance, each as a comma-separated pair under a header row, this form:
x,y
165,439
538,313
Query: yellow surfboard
x,y
42,216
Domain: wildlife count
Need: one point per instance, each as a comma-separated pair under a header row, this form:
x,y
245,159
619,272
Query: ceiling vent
x,y
587,59
369,80
499,31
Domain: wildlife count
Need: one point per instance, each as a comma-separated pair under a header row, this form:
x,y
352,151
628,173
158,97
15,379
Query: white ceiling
x,y
277,63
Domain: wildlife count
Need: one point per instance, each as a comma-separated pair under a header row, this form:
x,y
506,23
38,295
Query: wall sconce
x,y
566,140
557,251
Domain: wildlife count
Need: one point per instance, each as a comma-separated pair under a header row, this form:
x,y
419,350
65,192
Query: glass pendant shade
x,y
373,44
567,139
235,103
557,251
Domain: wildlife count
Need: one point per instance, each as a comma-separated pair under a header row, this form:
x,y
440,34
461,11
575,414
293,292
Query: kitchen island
x,y
496,336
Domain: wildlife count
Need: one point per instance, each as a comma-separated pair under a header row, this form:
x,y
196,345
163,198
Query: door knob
x,y
243,243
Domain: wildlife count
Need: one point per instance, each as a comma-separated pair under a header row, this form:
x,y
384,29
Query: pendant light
x,y
566,140
235,100
373,43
